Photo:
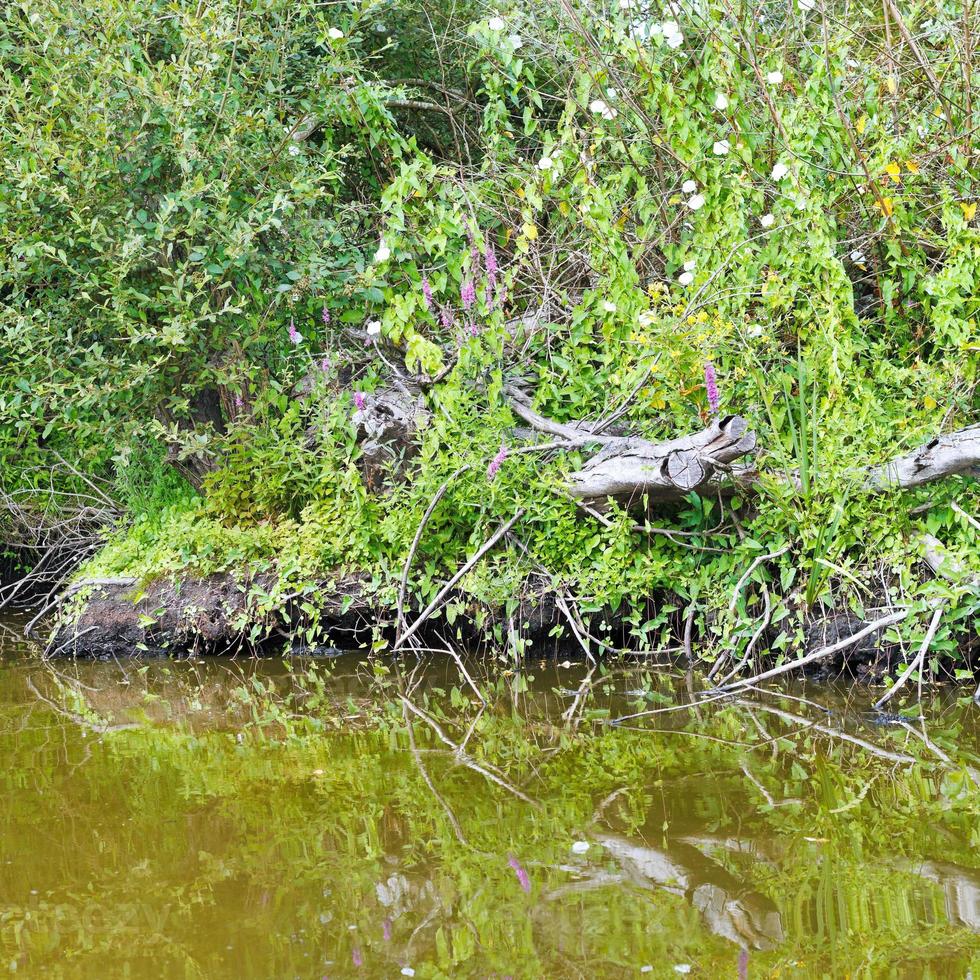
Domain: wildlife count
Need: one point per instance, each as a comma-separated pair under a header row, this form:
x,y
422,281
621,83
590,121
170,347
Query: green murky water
x,y
334,819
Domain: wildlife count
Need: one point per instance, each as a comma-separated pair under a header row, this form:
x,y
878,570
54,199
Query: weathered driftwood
x,y
958,452
629,469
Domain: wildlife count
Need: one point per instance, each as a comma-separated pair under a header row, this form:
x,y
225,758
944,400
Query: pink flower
x,y
356,957
490,261
467,294
711,386
325,315
359,400
295,337
427,293
325,365
386,930
446,316
522,877
474,329
492,471
239,403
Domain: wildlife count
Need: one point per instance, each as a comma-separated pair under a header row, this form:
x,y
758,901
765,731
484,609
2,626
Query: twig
x,y
916,663
878,624
415,543
758,561
444,591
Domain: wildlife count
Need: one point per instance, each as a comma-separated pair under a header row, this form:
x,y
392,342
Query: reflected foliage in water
x,y
339,818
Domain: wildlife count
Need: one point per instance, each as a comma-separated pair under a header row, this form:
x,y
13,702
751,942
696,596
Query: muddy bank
x,y
217,614
221,614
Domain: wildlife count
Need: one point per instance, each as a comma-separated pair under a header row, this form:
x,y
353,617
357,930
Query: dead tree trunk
x,y
958,452
629,469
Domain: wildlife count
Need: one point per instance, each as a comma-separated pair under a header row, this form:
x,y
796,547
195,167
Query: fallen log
x,y
628,469
958,452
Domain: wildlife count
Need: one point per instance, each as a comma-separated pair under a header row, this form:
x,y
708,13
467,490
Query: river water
x,y
344,817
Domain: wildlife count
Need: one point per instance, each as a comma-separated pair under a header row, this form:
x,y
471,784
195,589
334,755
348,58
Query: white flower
x,y
766,220
755,330
374,328
682,968
495,24
696,202
335,33
647,318
625,4
580,847
609,307
674,8
721,102
721,148
407,971
689,186
611,92
806,4
545,163
686,278
675,40
775,78
293,150
601,109
851,63
670,27
383,253
516,41
690,265
779,171
857,256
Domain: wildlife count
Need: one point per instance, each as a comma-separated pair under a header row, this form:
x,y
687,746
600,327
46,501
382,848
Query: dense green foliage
x,y
202,207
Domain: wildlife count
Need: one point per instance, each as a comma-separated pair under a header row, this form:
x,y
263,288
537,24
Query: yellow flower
x,y
969,211
893,171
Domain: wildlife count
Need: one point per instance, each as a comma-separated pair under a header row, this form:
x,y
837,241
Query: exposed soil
x,y
221,614
215,614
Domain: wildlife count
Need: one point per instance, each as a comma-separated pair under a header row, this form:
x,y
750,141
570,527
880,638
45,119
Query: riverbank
x,y
223,615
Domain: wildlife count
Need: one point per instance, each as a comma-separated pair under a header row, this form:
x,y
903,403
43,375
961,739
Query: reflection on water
x,y
729,907
344,818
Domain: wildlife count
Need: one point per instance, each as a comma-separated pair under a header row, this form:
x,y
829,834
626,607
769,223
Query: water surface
x,y
348,818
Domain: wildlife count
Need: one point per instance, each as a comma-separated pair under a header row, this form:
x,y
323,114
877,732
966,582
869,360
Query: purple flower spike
x,y
492,471
467,294
239,403
430,304
325,365
356,957
522,877
711,386
359,400
325,315
295,337
490,261
474,329
386,930
446,316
